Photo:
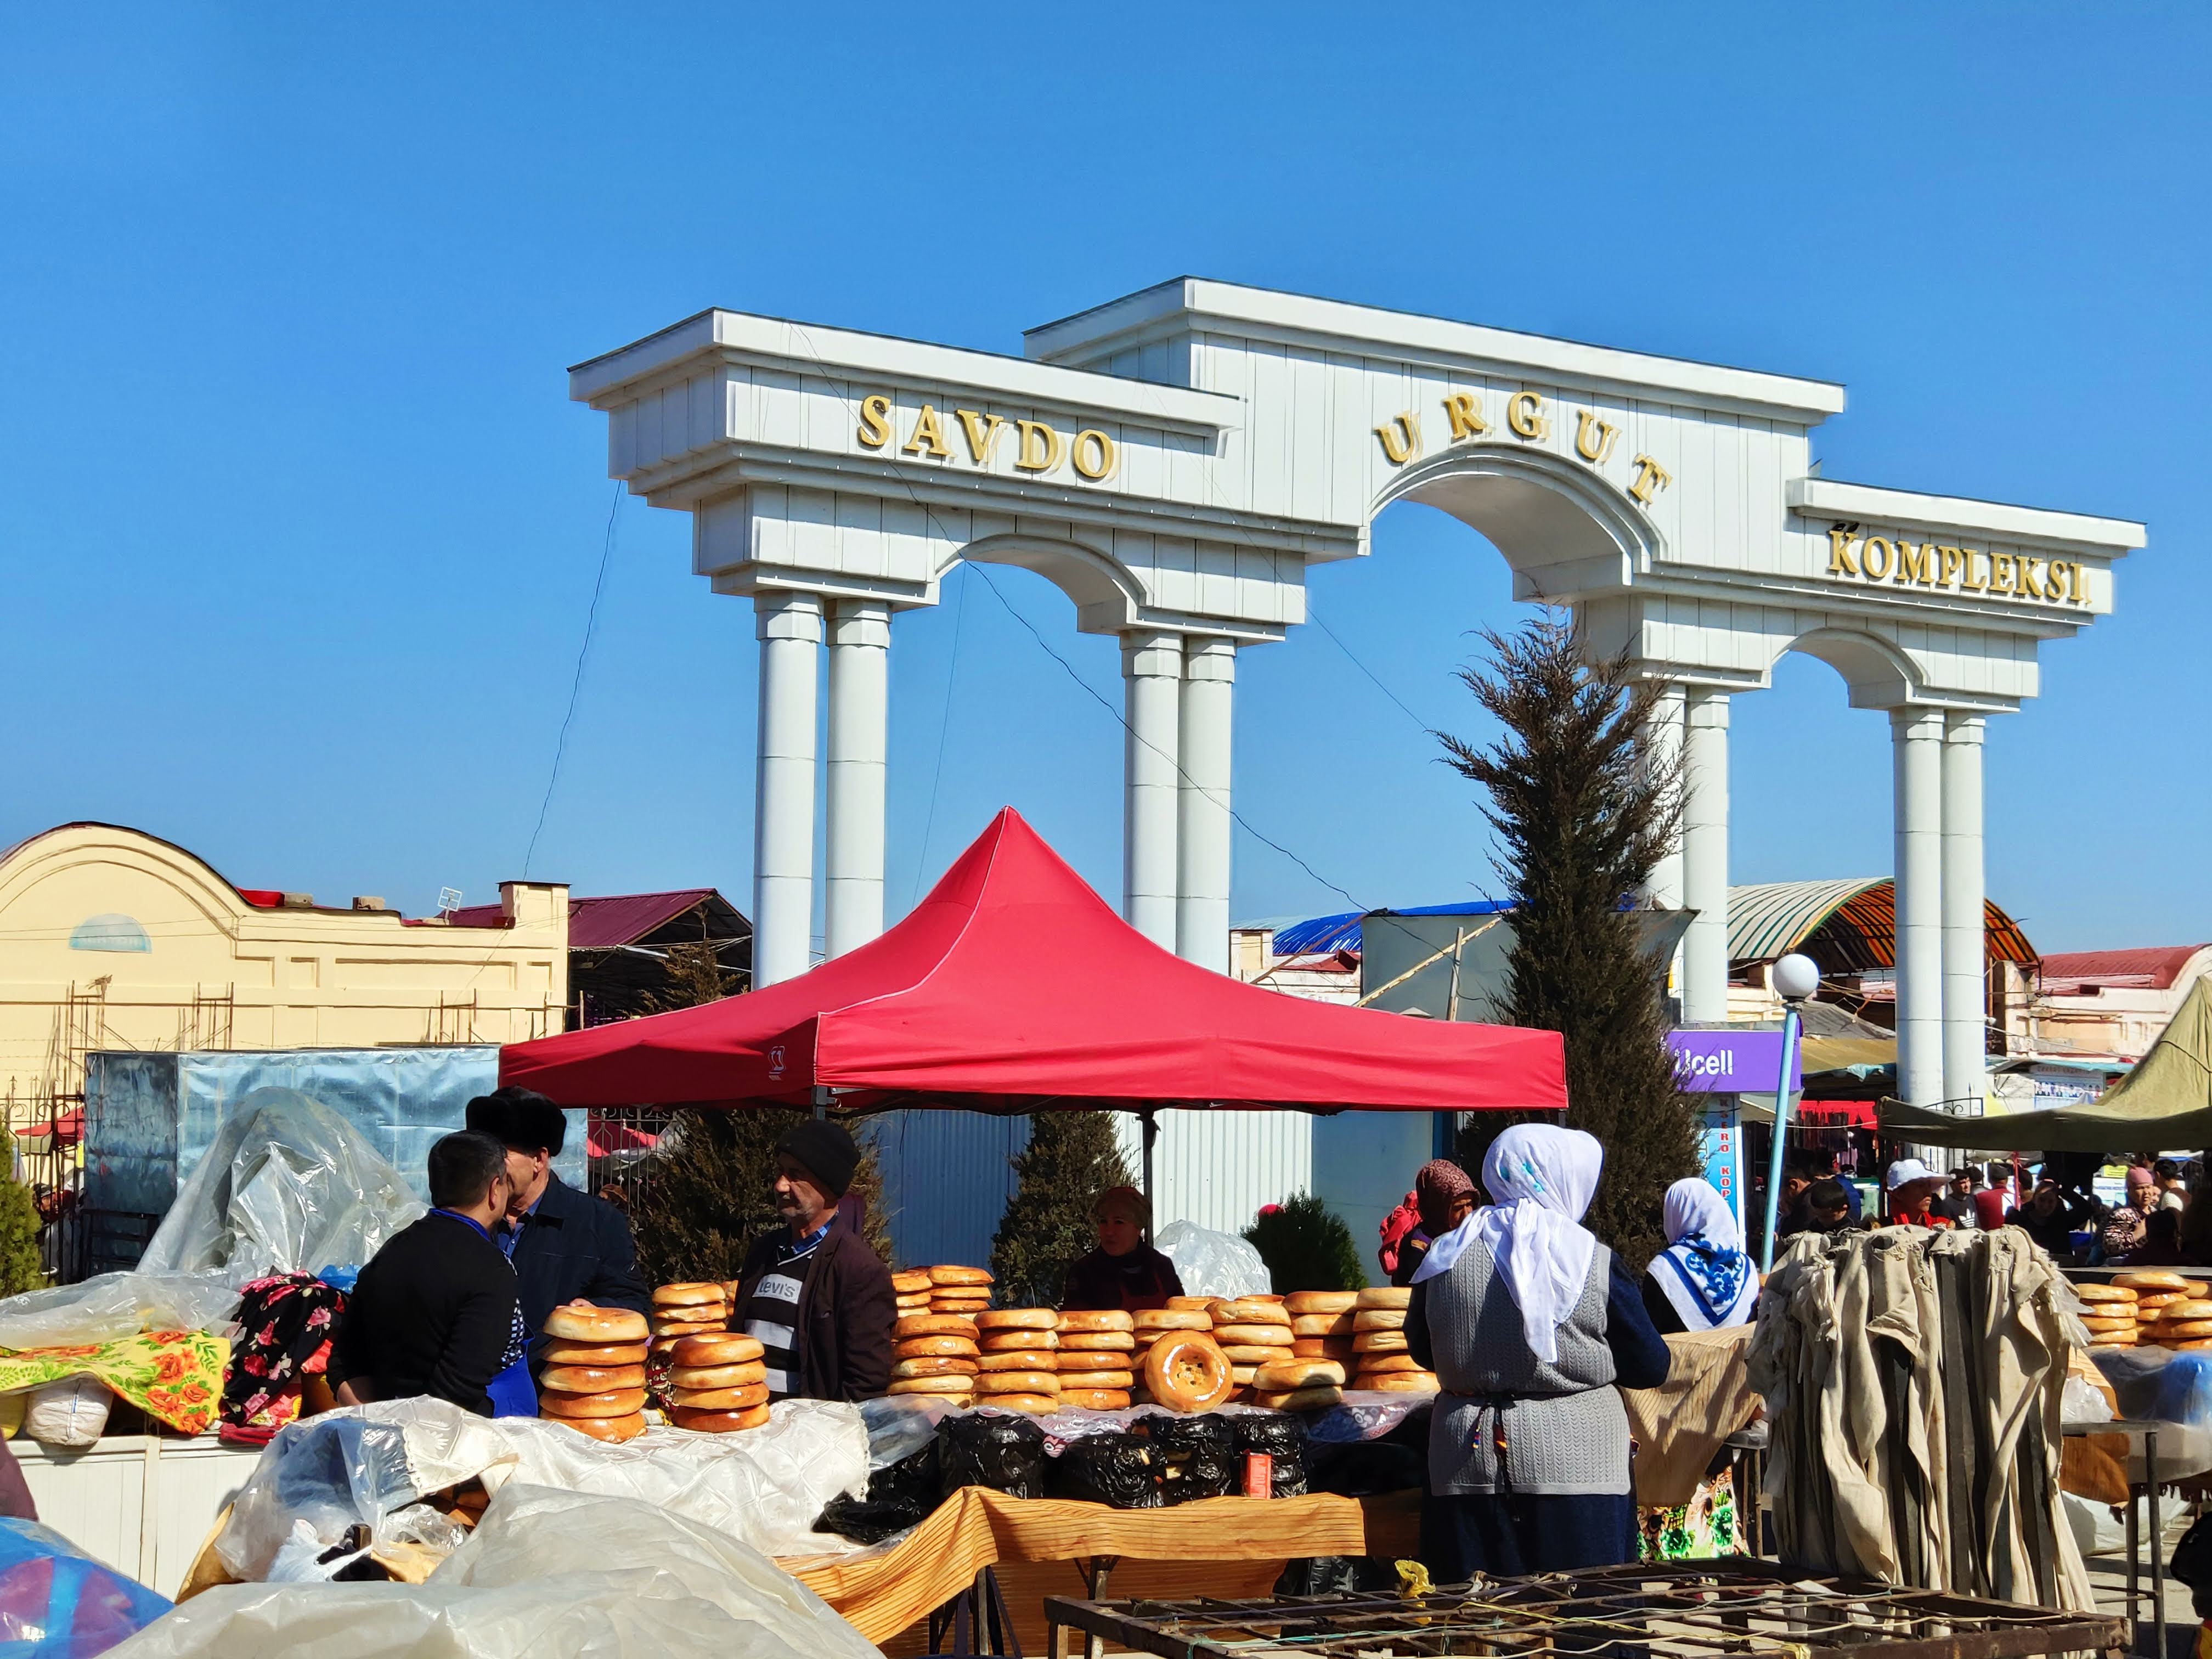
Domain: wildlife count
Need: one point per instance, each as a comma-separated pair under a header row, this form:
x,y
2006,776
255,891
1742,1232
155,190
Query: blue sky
x,y
299,530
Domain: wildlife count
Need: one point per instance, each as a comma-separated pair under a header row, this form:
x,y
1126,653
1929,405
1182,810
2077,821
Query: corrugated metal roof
x,y
604,924
2156,966
1771,919
1341,933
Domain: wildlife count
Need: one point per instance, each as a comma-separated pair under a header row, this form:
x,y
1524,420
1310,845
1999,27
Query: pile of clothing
x,y
1913,1381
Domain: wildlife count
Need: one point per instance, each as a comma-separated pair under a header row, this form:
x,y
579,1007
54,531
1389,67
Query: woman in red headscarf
x,y
1441,1198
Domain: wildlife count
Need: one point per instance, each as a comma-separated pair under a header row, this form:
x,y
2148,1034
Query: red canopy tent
x,y
1014,987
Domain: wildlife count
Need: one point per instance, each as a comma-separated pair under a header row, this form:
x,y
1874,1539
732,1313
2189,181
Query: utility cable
x,y
1093,693
1313,616
576,685
943,727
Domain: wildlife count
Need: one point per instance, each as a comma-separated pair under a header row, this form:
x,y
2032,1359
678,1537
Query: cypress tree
x,y
1306,1247
1072,1158
1584,809
19,1240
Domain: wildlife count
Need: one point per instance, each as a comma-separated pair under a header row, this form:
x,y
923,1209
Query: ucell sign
x,y
1731,1062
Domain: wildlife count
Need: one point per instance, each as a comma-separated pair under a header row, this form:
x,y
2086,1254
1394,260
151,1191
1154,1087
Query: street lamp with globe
x,y
1795,979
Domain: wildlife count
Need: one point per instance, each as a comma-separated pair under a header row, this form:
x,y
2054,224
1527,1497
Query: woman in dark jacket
x,y
1123,1271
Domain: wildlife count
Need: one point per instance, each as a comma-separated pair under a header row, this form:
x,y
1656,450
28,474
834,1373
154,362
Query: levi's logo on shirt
x,y
777,1287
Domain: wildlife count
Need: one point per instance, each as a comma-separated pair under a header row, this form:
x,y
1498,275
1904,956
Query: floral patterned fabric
x,y
285,1324
175,1376
1701,1528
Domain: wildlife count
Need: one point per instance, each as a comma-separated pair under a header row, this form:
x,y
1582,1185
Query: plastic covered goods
x,y
1283,1438
546,1575
1213,1264
1122,1470
900,1495
287,1186
900,1425
110,1307
986,1448
1198,1454
57,1602
70,1411
356,1465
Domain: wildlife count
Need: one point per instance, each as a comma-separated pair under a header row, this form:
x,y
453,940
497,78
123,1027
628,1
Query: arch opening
x,y
1561,529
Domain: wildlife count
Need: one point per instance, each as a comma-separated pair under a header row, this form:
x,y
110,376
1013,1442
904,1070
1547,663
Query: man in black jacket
x,y
567,1246
434,1312
818,1299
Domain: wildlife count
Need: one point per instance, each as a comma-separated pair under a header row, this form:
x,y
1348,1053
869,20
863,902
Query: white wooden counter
x,y
141,1504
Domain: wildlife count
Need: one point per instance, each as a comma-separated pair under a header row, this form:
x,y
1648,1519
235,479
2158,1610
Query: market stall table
x,y
2147,1433
883,1592
1688,1610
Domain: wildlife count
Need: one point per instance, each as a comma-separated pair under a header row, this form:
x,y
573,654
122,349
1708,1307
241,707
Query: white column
x,y
1705,855
1916,747
1965,987
859,655
1209,685
1151,685
1664,758
790,628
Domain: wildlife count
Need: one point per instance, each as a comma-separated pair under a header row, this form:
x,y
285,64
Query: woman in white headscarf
x,y
1702,1280
1529,1323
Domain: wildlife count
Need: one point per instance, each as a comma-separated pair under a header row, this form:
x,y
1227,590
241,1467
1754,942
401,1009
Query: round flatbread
x,y
1378,1319
616,1402
1289,1376
612,1429
1250,1310
1299,1400
722,1399
935,1364
1095,1319
1098,1342
926,1348
1379,1342
1036,1404
1385,1296
727,1348
1027,1319
686,1296
1263,1336
1172,1319
1100,1379
718,1377
706,1422
1257,1353
992,1382
1091,1400
1321,1302
1003,1341
958,1276
581,1323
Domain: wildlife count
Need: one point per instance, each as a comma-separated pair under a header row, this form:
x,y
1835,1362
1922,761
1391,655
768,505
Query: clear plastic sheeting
x,y
112,1306
1213,1264
546,1575
287,1186
356,1466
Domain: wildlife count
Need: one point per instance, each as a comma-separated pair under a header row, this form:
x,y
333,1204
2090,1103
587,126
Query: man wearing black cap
x,y
812,1293
566,1246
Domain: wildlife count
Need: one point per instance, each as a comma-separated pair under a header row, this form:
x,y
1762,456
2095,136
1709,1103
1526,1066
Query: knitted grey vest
x,y
1563,1424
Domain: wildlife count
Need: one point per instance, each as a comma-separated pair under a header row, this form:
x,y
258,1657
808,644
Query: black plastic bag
x,y
1004,1453
2193,1564
1122,1470
1364,1468
1198,1454
1283,1438
900,1495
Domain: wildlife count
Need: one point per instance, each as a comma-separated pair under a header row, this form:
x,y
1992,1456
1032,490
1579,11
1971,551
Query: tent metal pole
x,y
1151,1134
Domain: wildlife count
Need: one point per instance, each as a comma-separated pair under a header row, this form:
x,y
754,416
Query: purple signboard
x,y
1730,1062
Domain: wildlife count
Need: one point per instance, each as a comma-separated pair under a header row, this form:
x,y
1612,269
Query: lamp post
x,y
1795,978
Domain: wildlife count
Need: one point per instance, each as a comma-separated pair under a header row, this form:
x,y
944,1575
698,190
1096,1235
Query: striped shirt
x,y
771,1312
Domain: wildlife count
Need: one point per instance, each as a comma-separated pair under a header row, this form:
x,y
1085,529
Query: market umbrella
x,y
2166,1101
1014,988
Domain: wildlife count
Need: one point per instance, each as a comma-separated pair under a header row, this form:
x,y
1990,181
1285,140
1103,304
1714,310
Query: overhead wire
x,y
943,728
1119,717
576,684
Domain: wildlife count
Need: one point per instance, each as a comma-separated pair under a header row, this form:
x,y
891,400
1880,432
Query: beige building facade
x,y
113,938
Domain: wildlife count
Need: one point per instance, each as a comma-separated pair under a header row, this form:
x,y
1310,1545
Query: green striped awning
x,y
1854,920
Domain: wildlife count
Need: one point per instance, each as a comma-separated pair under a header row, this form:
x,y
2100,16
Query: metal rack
x,y
1681,1610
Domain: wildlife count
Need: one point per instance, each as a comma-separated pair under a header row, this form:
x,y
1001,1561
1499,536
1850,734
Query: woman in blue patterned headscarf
x,y
1702,1280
